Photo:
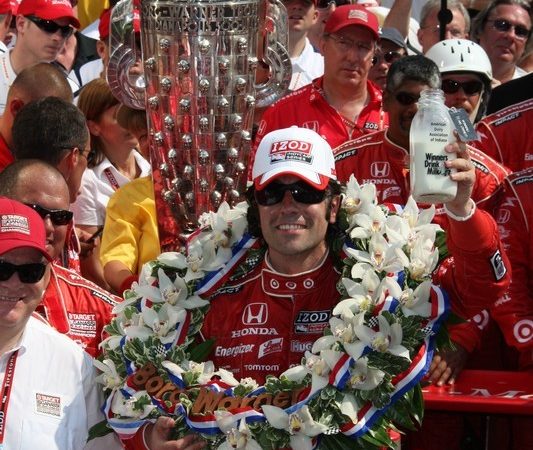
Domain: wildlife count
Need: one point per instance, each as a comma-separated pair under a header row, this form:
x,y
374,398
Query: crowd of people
x,y
78,213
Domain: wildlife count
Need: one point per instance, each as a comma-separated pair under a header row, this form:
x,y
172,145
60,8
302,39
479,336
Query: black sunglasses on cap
x,y
504,26
300,191
469,87
389,57
28,273
49,26
57,216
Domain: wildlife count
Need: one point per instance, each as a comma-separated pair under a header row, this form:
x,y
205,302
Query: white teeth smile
x,y
291,226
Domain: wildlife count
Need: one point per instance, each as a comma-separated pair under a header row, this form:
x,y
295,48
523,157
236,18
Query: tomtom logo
x,y
255,314
380,169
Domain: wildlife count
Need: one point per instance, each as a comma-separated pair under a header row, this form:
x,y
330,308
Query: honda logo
x,y
255,314
503,215
380,169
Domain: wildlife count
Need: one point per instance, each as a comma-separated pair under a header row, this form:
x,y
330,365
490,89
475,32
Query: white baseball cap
x,y
294,151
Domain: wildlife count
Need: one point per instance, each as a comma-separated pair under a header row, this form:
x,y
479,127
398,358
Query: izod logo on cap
x,y
358,14
291,150
10,223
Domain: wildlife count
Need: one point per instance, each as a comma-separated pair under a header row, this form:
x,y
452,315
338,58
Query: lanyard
x,y
111,178
6,392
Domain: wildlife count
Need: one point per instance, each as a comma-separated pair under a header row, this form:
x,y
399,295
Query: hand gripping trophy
x,y
198,87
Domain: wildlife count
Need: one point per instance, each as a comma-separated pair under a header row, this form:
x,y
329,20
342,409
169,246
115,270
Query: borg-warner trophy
x,y
199,91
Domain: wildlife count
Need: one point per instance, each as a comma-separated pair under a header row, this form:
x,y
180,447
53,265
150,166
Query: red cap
x,y
8,6
347,15
49,10
21,226
105,19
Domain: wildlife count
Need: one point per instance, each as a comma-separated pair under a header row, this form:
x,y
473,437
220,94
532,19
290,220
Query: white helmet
x,y
461,55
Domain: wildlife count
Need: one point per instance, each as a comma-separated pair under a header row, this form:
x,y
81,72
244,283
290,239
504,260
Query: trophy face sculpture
x,y
199,92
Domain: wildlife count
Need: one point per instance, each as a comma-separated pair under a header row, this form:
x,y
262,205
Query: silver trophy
x,y
199,91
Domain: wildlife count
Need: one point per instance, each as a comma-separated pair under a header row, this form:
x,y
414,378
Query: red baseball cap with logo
x,y
294,151
49,10
348,15
21,226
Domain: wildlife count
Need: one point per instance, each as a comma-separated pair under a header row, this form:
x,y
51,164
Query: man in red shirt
x,y
71,304
343,104
507,134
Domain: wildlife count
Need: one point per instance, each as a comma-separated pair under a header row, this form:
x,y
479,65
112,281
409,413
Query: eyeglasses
x,y
345,45
323,4
388,57
300,191
49,26
57,216
28,273
472,87
406,99
504,26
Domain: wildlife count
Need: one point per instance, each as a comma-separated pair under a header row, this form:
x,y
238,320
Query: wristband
x,y
462,218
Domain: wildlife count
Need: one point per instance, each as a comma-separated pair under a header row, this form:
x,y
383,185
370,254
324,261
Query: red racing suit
x,y
514,310
375,159
77,307
6,157
307,108
507,135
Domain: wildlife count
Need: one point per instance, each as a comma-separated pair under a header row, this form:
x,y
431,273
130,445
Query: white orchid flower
x,y
387,339
109,377
125,407
358,199
176,293
368,224
237,437
249,384
381,255
364,295
363,377
299,424
414,216
161,324
423,258
417,302
349,407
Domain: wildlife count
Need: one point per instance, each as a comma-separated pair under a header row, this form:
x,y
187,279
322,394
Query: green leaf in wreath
x,y
98,430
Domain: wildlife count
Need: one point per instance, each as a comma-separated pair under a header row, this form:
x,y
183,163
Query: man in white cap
x,y
342,104
42,29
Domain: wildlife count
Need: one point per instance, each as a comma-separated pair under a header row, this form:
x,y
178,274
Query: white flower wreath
x,y
359,381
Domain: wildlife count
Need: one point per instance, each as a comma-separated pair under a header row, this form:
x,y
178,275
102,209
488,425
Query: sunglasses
x,y
300,191
28,273
472,87
389,57
406,99
57,216
323,4
504,26
49,26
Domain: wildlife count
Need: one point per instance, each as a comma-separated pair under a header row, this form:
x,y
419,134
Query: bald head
x,y
36,182
38,81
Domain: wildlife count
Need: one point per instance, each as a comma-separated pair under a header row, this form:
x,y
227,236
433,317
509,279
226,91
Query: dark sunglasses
x,y
504,26
406,99
469,87
57,216
389,57
28,273
300,191
49,26
322,4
